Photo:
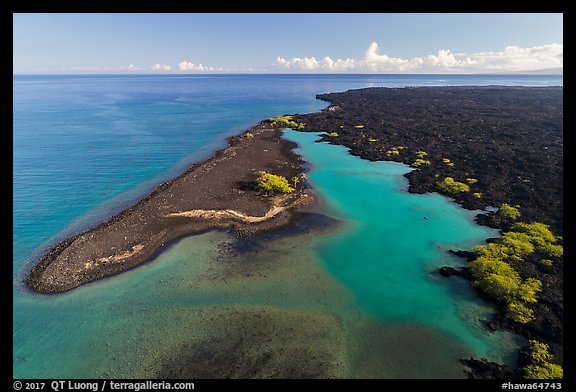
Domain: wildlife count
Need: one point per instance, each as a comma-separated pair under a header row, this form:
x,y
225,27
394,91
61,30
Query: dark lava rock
x,y
483,369
451,271
469,256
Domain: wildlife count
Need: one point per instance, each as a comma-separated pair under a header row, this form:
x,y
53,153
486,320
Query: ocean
x,y
87,146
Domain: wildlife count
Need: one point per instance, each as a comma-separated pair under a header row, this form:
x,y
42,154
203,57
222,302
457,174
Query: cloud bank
x,y
510,59
159,67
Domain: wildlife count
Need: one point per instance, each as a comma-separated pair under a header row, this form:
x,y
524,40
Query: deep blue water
x,y
87,146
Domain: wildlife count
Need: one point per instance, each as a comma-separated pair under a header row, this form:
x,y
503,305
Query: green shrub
x,y
519,312
528,290
445,160
471,181
477,195
286,121
507,211
546,262
269,182
333,134
518,244
448,185
493,250
551,250
541,237
249,135
545,371
536,230
492,274
371,139
359,126
483,266
539,351
540,366
421,154
501,287
419,162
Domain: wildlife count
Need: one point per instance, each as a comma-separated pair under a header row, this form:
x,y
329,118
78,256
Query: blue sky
x,y
281,43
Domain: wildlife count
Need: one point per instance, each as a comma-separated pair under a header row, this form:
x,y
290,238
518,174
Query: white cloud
x,y
159,67
511,58
188,66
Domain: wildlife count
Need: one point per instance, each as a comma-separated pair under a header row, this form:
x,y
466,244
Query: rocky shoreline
x,y
504,143
188,204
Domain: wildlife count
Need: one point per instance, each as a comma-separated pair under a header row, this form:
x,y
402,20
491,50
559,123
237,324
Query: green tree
x,y
501,287
528,290
519,312
540,366
544,372
448,185
551,250
535,230
518,244
508,211
269,182
295,180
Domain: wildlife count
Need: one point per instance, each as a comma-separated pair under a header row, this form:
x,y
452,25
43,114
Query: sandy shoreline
x,y
216,193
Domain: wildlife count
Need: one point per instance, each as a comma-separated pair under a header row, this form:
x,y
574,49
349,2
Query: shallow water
x,y
85,147
389,254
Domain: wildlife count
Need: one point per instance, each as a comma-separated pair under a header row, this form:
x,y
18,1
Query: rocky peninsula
x,y
219,193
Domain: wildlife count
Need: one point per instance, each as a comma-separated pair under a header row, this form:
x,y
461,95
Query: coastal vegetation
x,y
249,135
450,186
419,162
273,183
295,180
286,121
333,134
495,276
508,211
540,365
